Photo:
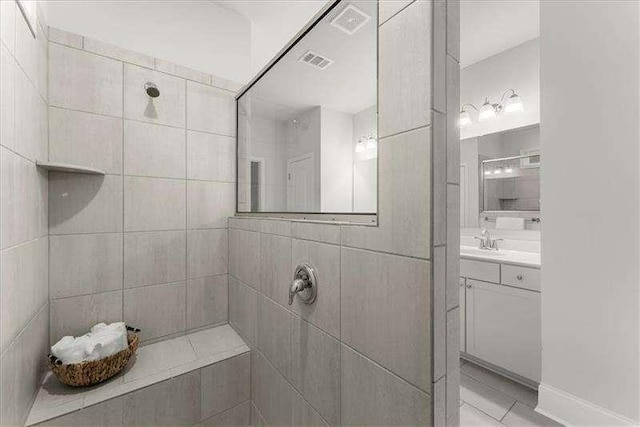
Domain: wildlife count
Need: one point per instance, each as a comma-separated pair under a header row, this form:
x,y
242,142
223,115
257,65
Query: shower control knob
x,y
304,284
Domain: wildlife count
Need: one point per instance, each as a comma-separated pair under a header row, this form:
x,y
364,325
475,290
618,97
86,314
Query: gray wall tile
x,y
84,203
84,81
327,233
453,29
404,74
453,131
8,69
404,166
276,272
453,247
83,264
240,416
244,256
154,257
209,204
379,320
106,414
22,368
66,38
158,310
207,301
273,334
24,287
325,259
24,200
85,139
374,396
305,415
172,402
211,157
315,368
154,204
243,309
453,366
225,385
210,109
167,109
154,150
115,52
76,315
271,393
207,253
180,71
31,119
388,8
8,24
439,314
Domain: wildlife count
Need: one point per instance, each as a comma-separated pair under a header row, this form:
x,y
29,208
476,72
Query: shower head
x,y
152,90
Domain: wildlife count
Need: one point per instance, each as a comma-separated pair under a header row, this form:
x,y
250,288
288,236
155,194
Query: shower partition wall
x,y
379,346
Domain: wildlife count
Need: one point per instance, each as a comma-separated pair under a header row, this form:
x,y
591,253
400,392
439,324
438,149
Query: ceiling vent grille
x,y
315,60
350,20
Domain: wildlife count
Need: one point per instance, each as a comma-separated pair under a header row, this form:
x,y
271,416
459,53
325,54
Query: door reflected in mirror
x,y
307,128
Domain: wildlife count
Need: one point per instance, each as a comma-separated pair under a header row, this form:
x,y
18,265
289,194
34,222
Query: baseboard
x,y
570,410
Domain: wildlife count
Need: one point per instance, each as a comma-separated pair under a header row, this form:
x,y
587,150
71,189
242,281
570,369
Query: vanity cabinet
x,y
500,311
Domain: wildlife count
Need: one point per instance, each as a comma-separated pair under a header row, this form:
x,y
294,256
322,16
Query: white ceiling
x,y
348,85
488,27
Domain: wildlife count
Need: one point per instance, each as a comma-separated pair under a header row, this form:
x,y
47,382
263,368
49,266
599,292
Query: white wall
x,y
517,68
591,238
196,34
336,140
274,28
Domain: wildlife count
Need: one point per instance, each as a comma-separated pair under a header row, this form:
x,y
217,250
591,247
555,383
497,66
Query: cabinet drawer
x,y
480,270
521,277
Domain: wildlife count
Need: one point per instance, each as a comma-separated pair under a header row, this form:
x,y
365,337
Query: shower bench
x,y
202,376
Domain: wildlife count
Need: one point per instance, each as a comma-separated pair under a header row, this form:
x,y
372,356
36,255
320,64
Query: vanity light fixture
x,y
513,104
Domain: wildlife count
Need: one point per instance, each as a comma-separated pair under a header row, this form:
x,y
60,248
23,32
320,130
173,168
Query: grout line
x,y
509,410
186,214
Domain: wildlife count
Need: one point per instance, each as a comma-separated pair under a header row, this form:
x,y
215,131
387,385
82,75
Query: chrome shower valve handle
x,y
304,284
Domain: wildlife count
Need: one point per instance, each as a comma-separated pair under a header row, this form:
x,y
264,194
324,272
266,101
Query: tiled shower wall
x,y
147,242
24,304
379,346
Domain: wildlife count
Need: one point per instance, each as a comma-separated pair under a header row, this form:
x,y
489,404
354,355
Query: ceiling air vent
x,y
350,20
315,60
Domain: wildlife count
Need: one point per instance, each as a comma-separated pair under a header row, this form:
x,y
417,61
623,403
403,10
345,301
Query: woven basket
x,y
96,371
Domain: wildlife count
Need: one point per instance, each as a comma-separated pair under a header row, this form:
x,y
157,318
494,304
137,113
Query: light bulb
x,y
465,119
514,104
486,112
360,147
508,170
497,171
487,172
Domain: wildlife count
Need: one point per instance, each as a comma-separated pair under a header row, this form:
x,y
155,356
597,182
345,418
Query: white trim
x,y
571,410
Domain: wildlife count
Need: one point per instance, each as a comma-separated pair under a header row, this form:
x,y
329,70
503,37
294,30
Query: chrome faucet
x,y
487,242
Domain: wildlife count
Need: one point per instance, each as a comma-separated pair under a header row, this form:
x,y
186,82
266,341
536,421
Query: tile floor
x,y
488,399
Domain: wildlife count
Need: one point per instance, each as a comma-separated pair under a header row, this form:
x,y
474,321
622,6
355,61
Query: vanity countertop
x,y
503,256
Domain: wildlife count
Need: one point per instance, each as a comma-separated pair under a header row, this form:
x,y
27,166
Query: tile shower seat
x,y
153,364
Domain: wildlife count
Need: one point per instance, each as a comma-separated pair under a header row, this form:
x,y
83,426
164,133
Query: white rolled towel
x,y
103,340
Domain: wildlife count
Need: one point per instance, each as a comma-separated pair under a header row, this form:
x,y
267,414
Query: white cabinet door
x,y
503,327
463,316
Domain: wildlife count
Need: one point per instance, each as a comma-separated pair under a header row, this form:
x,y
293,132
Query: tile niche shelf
x,y
64,167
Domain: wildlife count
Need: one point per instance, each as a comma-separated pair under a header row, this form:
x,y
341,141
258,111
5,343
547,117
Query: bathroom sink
x,y
471,251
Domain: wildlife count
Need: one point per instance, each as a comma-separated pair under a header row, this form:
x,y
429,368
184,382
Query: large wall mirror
x,y
307,126
500,176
